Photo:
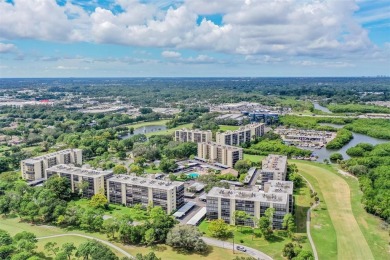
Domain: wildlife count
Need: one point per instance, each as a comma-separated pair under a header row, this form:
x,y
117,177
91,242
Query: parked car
x,y
241,248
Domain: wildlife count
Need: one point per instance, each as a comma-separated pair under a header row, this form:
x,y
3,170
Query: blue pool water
x,y
193,175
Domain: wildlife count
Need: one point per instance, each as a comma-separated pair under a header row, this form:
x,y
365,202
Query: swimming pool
x,y
193,175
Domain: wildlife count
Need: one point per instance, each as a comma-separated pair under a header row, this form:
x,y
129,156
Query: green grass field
x,y
335,230
253,158
228,127
13,226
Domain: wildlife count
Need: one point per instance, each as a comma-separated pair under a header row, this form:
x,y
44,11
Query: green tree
x,y
95,250
67,250
219,229
150,236
242,166
149,256
335,157
120,169
187,238
240,217
168,165
289,224
111,226
52,248
98,201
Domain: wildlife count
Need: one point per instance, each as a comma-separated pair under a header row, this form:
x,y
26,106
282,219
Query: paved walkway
x,y
308,219
100,240
250,251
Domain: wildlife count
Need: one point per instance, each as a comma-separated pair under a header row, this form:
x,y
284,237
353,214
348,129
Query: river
x,y
145,130
324,153
319,107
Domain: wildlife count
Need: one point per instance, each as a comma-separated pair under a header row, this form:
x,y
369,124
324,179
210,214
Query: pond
x,y
319,107
145,130
324,153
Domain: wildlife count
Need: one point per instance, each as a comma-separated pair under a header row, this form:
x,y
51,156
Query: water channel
x,y
324,153
319,107
145,130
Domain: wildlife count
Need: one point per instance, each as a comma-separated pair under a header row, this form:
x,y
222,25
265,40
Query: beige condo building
x,y
77,176
274,167
131,190
243,134
225,155
34,168
222,204
196,136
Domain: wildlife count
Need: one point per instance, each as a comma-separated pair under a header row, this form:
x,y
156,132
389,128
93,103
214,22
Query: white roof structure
x,y
197,217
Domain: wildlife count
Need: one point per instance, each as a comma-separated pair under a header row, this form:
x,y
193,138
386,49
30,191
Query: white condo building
x,y
196,136
77,176
225,155
34,168
243,134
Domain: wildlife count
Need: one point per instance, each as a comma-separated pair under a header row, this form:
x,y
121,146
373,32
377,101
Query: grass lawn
x,y
302,204
142,124
335,231
170,131
253,158
13,226
273,247
150,170
228,127
117,210
377,237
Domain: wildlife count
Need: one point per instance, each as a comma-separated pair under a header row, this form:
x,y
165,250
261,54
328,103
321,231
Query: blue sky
x,y
139,38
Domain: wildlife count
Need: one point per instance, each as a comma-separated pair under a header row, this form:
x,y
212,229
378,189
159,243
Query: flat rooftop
x,y
260,196
229,147
274,163
64,168
242,128
141,181
279,186
193,130
38,158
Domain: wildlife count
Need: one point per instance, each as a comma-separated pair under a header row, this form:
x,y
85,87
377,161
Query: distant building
x,y
132,190
197,136
96,179
274,167
242,135
34,168
222,204
222,155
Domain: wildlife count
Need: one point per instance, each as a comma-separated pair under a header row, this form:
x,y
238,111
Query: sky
x,y
194,38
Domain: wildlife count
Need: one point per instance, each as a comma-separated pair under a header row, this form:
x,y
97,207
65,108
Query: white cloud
x,y
256,27
7,47
171,54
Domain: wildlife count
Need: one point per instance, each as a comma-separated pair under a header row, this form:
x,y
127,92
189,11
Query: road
x,y
308,219
227,245
88,237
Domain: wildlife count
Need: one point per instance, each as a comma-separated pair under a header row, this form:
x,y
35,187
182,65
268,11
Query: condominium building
x,y
34,168
242,135
281,187
222,204
132,190
225,155
197,136
79,176
274,167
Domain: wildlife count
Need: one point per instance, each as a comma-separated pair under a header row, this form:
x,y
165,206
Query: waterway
x,y
324,153
145,130
319,107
